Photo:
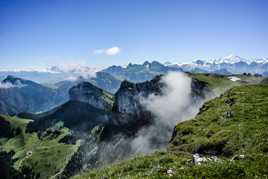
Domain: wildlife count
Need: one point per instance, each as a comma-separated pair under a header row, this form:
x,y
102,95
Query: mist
x,y
8,85
174,105
176,97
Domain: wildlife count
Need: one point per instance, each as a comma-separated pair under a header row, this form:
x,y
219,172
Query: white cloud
x,y
109,51
175,100
7,85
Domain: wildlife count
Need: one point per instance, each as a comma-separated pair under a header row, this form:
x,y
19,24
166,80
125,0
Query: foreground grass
x,y
234,124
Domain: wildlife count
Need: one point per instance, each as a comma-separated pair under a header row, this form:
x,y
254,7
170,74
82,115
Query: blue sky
x,y
39,33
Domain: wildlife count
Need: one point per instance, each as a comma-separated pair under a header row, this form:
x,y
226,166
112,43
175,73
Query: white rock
x,y
198,159
170,172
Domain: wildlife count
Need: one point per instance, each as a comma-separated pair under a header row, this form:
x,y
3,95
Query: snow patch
x,y
234,78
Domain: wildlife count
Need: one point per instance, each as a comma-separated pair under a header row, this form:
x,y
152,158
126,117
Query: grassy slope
x,y
47,157
235,123
215,81
108,97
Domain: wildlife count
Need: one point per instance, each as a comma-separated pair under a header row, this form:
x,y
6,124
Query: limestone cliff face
x,y
88,93
127,98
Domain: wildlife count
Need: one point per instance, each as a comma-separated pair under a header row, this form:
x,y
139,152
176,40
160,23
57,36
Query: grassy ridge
x,y
233,124
215,81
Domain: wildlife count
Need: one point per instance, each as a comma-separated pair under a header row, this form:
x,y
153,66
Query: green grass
x,y
108,97
236,123
157,165
45,156
215,81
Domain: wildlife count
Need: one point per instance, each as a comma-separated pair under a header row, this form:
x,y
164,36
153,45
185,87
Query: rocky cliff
x,y
88,93
128,97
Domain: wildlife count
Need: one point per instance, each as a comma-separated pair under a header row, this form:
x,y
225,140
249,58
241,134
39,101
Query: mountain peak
x,y
232,57
13,79
88,93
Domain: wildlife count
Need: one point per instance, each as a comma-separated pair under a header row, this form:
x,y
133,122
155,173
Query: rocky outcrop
x,y
88,93
129,95
127,98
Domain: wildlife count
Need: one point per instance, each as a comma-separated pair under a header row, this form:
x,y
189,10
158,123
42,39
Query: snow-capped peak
x,y
230,59
261,60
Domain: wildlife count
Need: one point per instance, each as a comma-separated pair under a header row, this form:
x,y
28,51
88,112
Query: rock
x,y
170,172
237,157
127,98
88,93
229,114
199,159
129,95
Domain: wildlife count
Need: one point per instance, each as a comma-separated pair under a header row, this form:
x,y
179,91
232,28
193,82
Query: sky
x,y
42,33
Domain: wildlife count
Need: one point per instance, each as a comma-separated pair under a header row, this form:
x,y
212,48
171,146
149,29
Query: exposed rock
x,y
199,159
237,157
127,98
88,93
170,172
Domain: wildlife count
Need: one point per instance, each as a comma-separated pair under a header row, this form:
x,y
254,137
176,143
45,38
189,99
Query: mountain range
x,y
231,64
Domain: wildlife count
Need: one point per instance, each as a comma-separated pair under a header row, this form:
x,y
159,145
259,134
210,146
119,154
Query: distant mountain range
x,y
231,64
110,77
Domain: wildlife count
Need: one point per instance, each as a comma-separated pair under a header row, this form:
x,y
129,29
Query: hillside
x,y
20,95
32,156
230,133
